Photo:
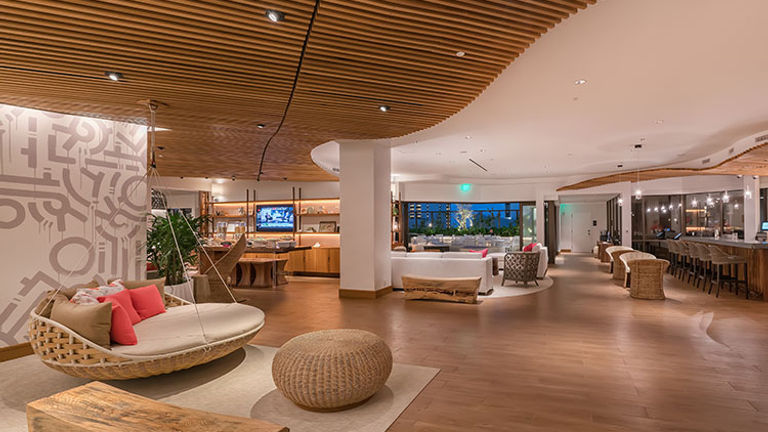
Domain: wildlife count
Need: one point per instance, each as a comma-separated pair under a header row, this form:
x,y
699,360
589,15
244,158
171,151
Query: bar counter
x,y
756,254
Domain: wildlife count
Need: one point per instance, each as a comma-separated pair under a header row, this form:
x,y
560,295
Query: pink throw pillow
x,y
147,301
121,331
484,252
529,248
123,298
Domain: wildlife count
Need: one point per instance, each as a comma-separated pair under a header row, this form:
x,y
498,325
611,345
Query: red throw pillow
x,y
147,301
484,252
123,298
529,248
122,330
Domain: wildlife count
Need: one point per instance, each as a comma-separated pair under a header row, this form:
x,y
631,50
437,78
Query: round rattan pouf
x,y
332,370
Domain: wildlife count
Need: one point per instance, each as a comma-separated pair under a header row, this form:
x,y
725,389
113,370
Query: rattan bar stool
x,y
720,259
674,256
704,268
682,257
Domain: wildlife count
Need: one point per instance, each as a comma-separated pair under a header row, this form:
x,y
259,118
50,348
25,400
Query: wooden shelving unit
x,y
321,260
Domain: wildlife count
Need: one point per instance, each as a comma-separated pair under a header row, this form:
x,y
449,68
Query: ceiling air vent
x,y
705,161
761,138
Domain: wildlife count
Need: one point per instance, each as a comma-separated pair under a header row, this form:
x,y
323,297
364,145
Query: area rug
x,y
239,384
513,289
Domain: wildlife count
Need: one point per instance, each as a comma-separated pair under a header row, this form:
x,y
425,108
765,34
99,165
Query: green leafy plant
x,y
161,247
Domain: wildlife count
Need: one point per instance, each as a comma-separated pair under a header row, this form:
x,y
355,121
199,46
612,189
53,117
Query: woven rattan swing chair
x,y
231,325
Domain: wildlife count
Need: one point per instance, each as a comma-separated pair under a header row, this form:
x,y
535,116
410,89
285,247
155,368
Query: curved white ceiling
x,y
685,78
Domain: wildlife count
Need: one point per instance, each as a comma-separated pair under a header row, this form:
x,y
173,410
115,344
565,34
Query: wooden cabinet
x,y
323,260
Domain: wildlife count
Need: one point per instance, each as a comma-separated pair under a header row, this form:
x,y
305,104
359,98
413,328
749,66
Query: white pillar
x,y
626,213
365,218
541,234
751,206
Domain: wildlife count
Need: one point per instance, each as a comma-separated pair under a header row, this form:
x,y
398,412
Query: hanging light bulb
x,y
656,209
621,202
726,198
694,202
710,202
638,194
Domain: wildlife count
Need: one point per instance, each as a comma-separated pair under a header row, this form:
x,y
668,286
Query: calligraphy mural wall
x,y
72,207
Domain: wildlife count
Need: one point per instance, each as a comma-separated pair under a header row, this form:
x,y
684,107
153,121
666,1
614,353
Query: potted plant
x,y
162,249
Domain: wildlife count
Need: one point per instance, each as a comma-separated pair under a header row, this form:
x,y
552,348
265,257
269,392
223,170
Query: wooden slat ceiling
x,y
751,162
220,68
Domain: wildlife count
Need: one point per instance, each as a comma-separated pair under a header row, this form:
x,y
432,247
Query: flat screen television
x,y
275,218
764,226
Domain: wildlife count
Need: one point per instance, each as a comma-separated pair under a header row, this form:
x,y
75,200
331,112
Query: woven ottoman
x,y
332,370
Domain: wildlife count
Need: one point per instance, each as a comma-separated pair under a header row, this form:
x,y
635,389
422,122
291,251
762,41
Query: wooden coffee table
x,y
99,407
261,272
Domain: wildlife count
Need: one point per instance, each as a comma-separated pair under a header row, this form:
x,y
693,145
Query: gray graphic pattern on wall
x,y
73,204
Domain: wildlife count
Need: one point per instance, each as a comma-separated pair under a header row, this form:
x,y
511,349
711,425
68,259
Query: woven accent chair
x,y
521,267
647,278
610,250
209,288
619,269
626,258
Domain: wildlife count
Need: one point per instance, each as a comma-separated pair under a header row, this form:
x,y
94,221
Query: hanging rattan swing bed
x,y
169,342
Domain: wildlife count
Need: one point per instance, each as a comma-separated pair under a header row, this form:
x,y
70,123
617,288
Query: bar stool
x,y
720,259
674,256
703,271
693,261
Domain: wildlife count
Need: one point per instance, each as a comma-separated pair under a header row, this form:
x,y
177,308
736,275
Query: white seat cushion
x,y
464,255
179,328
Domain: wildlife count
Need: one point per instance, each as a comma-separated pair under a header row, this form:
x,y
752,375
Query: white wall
x,y
577,231
451,192
183,199
268,190
72,207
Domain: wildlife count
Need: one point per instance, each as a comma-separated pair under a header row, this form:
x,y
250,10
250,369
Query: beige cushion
x,y
46,304
91,321
178,328
159,283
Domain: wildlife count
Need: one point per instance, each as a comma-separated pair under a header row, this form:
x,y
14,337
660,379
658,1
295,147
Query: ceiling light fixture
x,y
261,126
383,108
114,76
620,166
580,81
275,15
460,53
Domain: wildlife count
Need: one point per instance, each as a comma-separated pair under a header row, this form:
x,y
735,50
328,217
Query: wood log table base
x,y
98,407
258,272
461,290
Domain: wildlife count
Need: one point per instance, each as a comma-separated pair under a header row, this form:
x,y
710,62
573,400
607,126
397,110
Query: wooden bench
x,y
462,290
97,407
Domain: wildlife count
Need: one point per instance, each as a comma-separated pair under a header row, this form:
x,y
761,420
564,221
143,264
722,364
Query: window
x,y
503,218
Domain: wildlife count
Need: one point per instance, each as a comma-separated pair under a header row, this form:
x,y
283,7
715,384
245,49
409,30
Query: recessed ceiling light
x,y
463,152
467,137
460,53
580,81
620,166
659,121
260,126
638,146
383,108
114,76
275,15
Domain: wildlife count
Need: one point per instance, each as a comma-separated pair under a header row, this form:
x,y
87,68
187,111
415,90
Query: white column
x,y
365,217
626,213
751,206
540,231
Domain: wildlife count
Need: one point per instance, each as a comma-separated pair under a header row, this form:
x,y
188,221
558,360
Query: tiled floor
x,y
581,356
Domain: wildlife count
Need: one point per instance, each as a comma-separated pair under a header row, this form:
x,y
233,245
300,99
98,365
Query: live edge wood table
x,y
216,252
756,254
97,407
261,272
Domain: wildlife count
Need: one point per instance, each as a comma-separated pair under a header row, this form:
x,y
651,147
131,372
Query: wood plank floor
x,y
581,356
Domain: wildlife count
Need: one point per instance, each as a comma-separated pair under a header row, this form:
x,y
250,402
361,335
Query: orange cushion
x,y
147,301
124,299
122,330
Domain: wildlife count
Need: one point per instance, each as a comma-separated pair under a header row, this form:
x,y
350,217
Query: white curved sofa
x,y
179,329
445,264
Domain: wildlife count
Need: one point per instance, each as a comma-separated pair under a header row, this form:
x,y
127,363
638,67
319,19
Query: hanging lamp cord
x,y
293,89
